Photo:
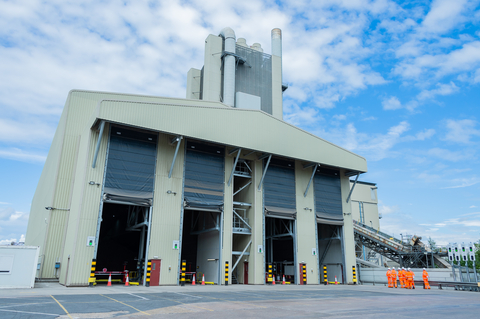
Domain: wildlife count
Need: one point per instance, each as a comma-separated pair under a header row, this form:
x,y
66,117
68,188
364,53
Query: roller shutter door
x,y
279,191
130,171
204,176
328,197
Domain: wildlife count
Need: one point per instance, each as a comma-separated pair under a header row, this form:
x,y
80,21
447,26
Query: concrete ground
x,y
51,300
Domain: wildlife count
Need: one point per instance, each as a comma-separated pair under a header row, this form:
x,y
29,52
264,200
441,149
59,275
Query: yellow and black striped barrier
x,y
91,279
149,270
270,273
226,273
354,271
304,270
184,268
325,281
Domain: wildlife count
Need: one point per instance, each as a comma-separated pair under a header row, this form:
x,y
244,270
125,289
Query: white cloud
x,y
339,117
22,156
391,104
461,131
374,147
443,16
442,89
463,182
425,134
452,156
12,224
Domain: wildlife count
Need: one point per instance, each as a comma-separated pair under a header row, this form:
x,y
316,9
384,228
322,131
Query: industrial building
x,y
212,178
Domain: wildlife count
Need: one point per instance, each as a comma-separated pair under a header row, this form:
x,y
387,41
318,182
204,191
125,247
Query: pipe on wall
x,y
229,67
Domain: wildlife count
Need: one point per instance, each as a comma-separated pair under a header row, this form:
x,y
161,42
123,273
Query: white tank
x,y
257,46
242,42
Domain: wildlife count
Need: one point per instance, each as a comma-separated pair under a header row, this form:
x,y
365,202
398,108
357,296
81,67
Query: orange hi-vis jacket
x,y
425,275
393,274
389,274
410,275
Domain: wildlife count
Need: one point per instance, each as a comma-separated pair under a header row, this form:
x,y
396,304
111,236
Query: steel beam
x,y
102,126
242,188
178,139
311,178
242,219
353,187
264,171
240,257
234,165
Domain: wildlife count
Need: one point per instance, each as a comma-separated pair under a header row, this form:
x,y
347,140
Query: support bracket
x,y
311,178
102,126
353,187
234,165
265,170
178,140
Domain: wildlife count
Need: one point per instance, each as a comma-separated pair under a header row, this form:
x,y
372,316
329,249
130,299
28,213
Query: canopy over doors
x,y
279,189
328,197
204,176
130,171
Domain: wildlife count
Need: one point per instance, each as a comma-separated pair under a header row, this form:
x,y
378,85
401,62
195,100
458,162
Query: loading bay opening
x,y
122,242
279,250
201,244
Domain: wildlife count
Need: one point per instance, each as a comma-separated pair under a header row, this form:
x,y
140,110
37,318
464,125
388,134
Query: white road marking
x,y
35,313
137,296
187,295
26,304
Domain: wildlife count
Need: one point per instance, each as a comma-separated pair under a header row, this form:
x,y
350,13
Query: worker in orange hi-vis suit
x,y
389,277
410,278
404,277
393,274
400,276
426,285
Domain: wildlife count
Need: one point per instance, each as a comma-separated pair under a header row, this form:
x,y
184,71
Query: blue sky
x,y
397,82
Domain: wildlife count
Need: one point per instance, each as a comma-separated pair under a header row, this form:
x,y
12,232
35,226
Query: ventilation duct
x,y
229,66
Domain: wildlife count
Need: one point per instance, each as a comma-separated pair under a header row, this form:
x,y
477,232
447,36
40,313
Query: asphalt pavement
x,y
51,300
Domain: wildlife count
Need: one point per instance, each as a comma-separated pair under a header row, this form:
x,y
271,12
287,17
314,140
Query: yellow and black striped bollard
x,y
354,275
149,270
92,279
325,280
226,273
270,273
184,268
304,268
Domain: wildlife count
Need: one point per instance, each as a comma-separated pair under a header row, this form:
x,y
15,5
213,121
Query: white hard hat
x,y
424,269
408,268
393,268
388,268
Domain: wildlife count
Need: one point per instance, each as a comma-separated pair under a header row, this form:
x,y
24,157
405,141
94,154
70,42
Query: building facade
x,y
217,177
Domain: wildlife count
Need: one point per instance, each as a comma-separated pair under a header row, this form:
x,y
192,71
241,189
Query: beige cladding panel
x,y
167,209
283,139
227,220
257,260
193,84
212,74
306,223
348,236
363,193
86,201
277,93
371,215
40,217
